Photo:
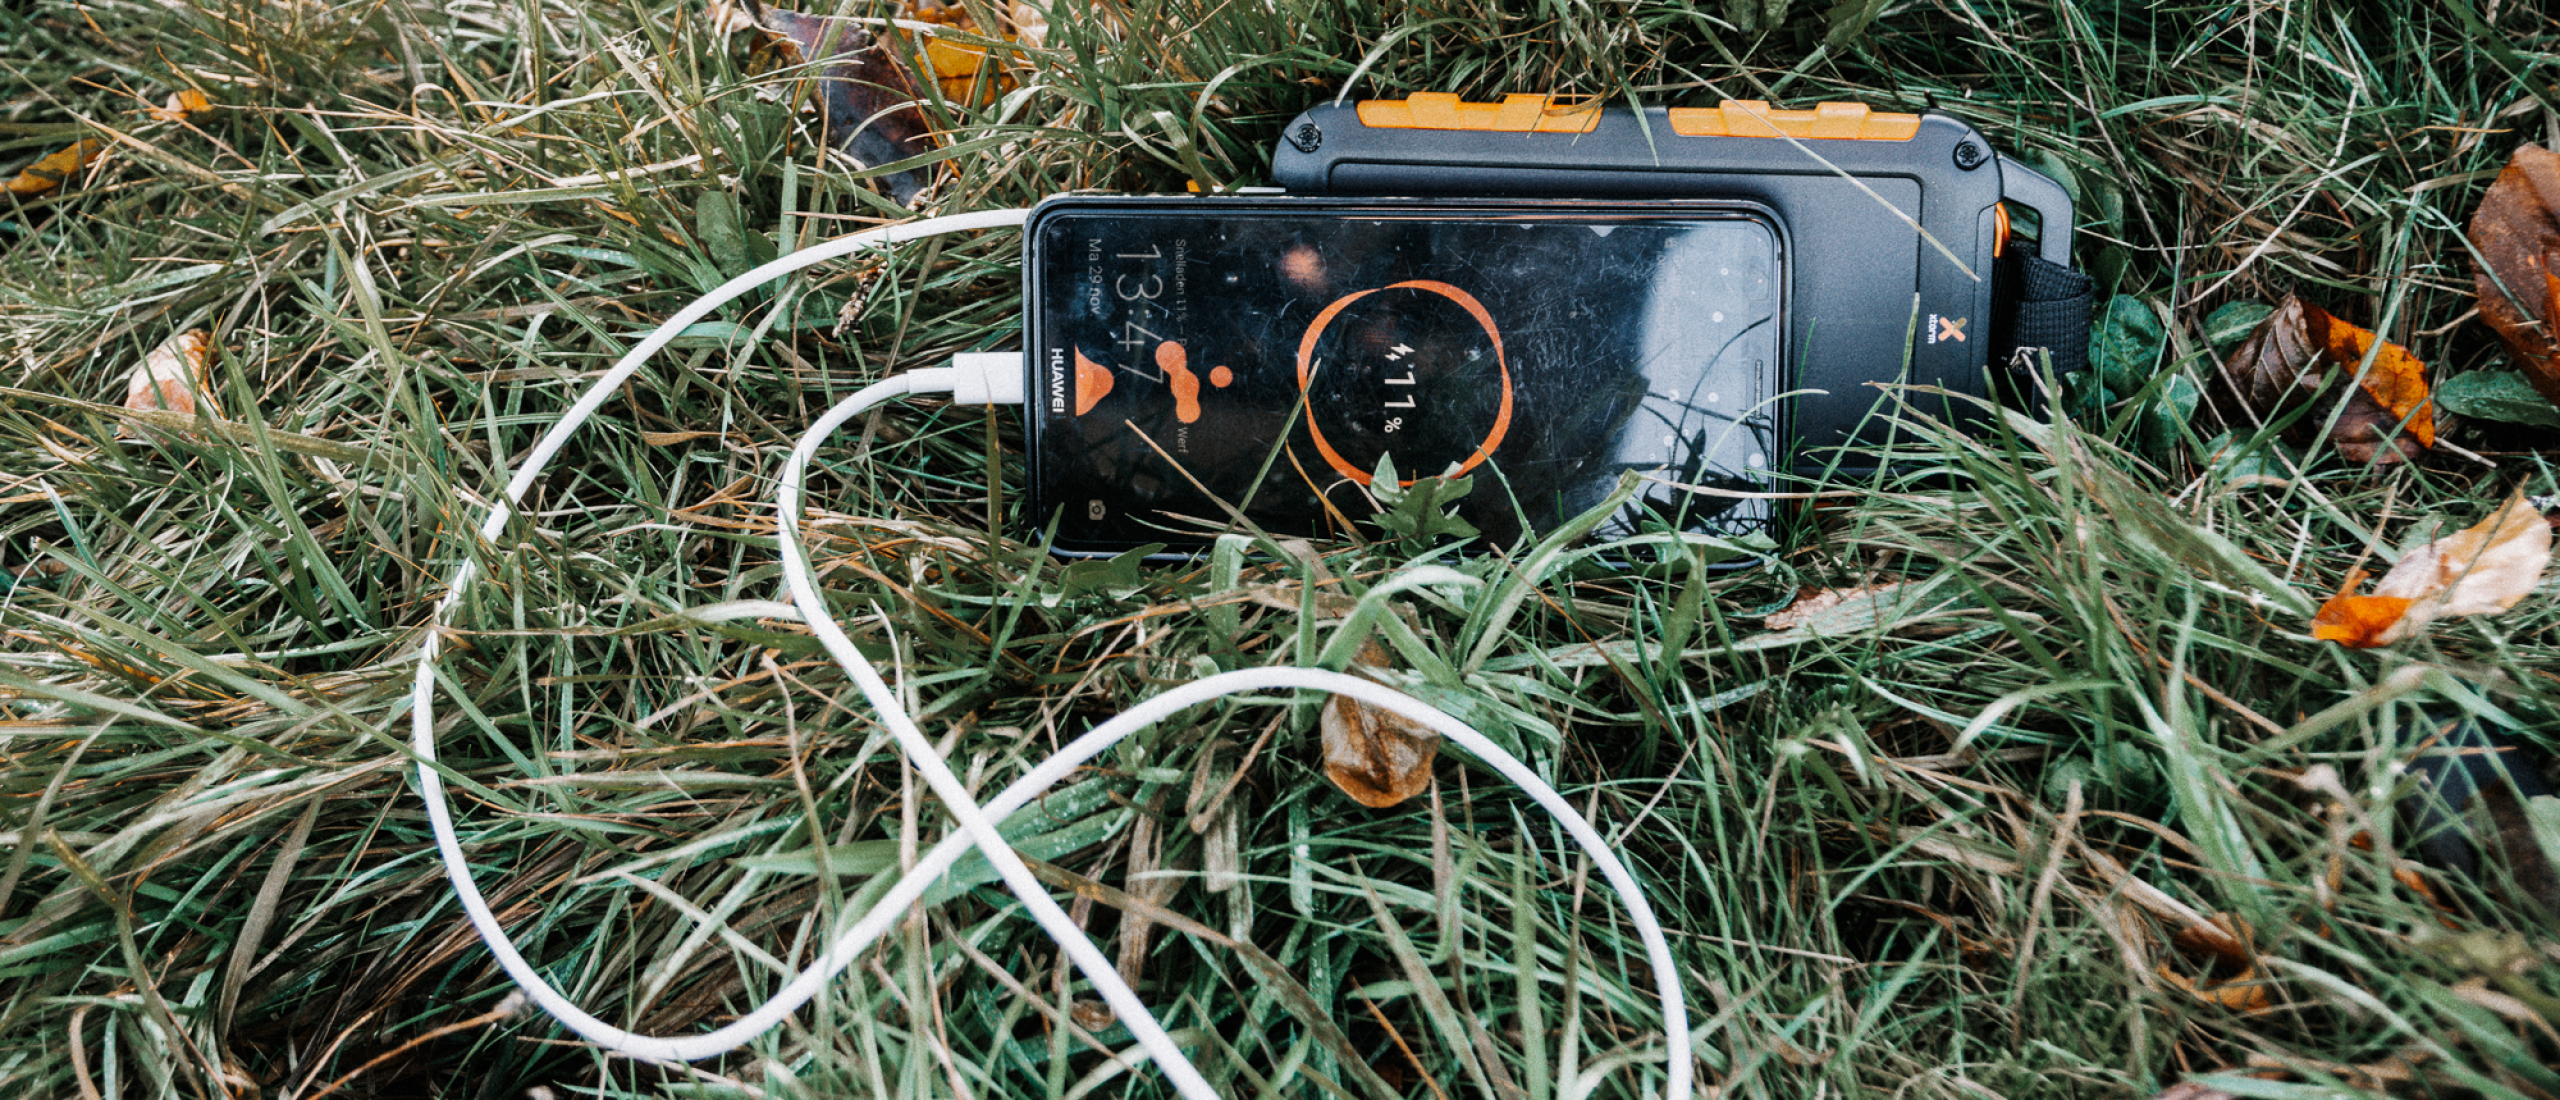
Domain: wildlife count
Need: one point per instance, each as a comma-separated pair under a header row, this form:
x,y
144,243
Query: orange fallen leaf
x,y
955,67
2295,358
52,171
2222,945
1377,757
2350,619
2482,569
184,104
2515,238
170,378
2242,992
2398,381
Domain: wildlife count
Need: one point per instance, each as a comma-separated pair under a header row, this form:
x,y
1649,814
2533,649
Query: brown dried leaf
x,y
2296,357
2225,953
1377,757
2246,991
2528,865
867,88
1838,610
2515,237
2359,622
2480,570
2223,936
171,377
1030,22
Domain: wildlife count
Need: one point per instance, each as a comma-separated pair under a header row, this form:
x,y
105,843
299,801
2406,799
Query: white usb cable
x,y
975,379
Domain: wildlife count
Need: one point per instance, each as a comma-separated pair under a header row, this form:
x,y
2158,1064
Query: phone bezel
x,y
1043,516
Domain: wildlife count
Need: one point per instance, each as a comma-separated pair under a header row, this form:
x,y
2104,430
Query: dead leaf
x,y
2226,955
1377,757
2515,237
52,171
956,66
170,378
2397,380
1030,22
2350,618
2223,936
1798,1056
2529,865
2242,992
1148,882
670,439
867,89
2482,569
183,104
1837,610
2295,358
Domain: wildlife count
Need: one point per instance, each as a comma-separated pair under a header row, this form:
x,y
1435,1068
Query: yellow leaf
x,y
2223,944
49,173
2482,569
2398,381
2246,992
183,104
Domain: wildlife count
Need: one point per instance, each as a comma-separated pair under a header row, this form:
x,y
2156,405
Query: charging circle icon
x,y
1416,368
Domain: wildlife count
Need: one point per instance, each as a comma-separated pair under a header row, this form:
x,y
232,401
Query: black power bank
x,y
1904,268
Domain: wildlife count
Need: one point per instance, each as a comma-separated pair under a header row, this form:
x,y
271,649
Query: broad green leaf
x,y
721,223
2501,395
2125,348
2233,322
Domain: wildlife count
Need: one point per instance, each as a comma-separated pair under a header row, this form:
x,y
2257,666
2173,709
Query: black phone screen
x,y
1270,353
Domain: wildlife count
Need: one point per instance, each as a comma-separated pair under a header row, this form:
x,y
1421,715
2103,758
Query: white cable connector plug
x,y
984,378
977,378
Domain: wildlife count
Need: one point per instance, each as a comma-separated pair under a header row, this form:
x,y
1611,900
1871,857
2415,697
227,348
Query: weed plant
x,y
1976,846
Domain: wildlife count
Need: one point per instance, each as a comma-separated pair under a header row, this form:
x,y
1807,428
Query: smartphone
x,y
1195,359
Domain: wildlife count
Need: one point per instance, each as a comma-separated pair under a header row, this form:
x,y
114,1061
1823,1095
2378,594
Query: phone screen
x,y
1279,355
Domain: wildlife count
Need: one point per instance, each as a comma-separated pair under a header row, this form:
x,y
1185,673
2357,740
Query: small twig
x,y
514,1003
1398,1039
80,1054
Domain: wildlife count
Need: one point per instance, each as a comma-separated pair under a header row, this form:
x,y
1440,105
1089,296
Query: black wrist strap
x,y
2046,307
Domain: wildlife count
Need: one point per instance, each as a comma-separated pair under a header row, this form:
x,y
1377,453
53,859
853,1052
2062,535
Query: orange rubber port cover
x,y
1754,118
1516,114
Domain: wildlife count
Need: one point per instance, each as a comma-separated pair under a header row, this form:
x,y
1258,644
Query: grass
x,y
2082,812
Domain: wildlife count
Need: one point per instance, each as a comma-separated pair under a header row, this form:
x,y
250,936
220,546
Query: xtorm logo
x,y
1946,328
